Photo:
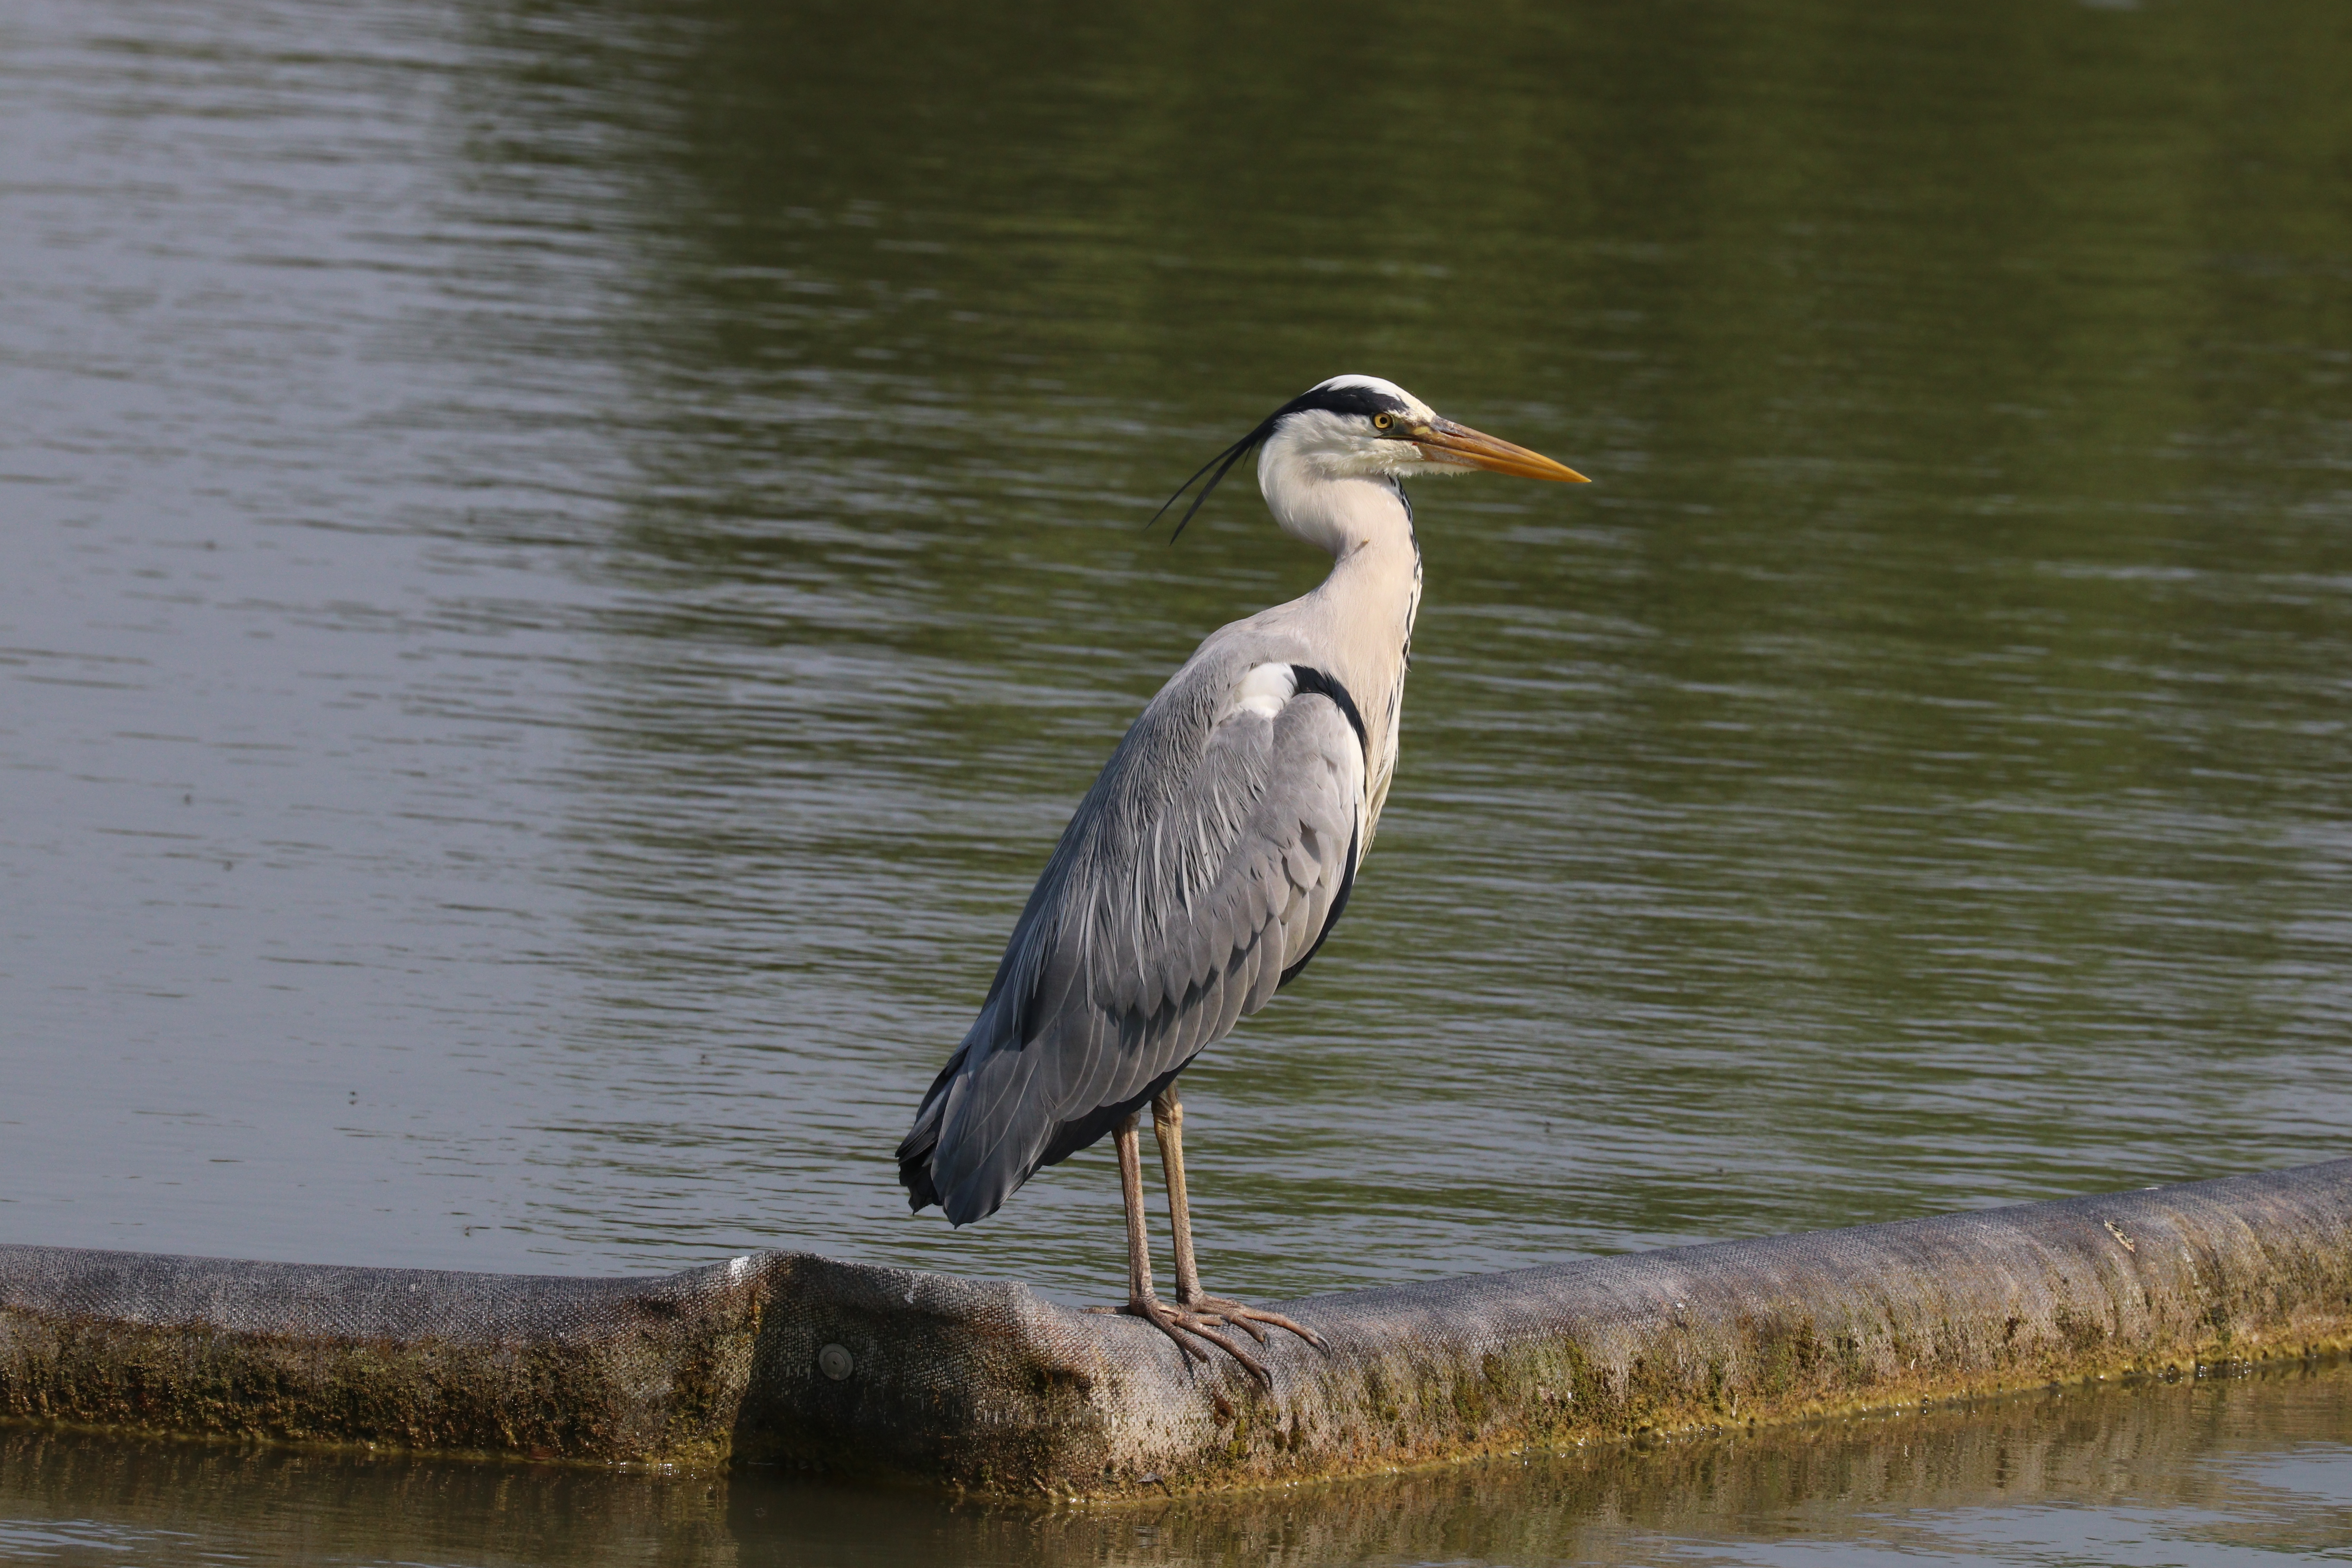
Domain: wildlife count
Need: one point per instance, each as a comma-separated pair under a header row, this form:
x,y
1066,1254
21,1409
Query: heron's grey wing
x,y
1203,869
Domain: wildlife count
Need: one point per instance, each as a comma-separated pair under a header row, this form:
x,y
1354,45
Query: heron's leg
x,y
1180,1325
1167,1128
1131,1192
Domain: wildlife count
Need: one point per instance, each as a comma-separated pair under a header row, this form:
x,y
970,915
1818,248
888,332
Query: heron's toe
x,y
1182,1325
1247,1318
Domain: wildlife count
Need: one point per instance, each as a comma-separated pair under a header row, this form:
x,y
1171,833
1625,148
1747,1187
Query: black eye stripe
x,y
1360,400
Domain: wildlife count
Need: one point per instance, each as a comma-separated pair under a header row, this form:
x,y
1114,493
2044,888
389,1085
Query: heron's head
x,y
1361,427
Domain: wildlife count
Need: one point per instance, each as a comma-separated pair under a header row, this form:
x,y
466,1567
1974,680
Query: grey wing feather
x,y
1202,870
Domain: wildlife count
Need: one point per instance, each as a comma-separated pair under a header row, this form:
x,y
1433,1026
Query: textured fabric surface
x,y
791,1358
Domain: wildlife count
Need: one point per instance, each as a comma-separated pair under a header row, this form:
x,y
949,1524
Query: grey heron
x,y
1214,853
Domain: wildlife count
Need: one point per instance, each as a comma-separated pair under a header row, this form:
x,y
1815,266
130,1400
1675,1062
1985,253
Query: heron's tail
x,y
922,1140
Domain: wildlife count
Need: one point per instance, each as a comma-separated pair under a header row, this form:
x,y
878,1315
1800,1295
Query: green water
x,y
562,566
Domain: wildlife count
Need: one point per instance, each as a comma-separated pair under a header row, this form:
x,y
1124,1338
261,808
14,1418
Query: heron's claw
x,y
1184,1324
1247,1319
1204,1316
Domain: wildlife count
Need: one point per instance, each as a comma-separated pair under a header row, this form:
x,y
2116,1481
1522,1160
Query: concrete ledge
x,y
985,1387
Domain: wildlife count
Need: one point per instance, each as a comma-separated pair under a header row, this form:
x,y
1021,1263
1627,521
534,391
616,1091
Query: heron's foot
x,y
1182,1325
1247,1319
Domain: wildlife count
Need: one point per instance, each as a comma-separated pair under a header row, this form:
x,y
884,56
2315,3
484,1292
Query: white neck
x,y
1338,513
1364,612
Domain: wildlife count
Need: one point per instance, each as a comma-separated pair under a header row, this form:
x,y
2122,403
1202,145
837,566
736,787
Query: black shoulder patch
x,y
1307,678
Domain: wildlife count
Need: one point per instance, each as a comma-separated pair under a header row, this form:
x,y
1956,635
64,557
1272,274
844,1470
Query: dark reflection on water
x,y
2220,1471
565,563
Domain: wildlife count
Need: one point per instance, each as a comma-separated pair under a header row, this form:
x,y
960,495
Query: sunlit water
x,y
562,566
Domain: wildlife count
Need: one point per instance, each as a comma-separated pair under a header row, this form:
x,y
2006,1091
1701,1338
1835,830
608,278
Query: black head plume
x,y
1349,399
1223,463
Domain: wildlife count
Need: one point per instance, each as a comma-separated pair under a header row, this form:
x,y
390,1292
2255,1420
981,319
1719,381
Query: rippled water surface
x,y
562,566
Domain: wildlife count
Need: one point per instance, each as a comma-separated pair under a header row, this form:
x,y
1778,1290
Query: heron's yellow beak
x,y
1444,441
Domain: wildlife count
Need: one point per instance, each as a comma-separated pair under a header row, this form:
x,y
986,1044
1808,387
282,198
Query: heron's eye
x,y
1383,421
